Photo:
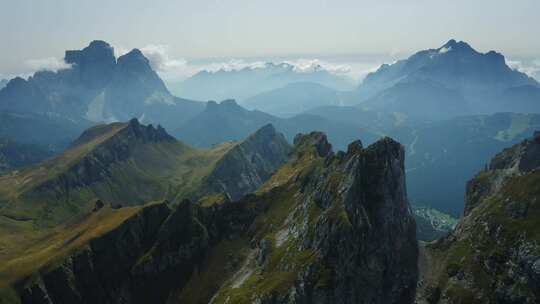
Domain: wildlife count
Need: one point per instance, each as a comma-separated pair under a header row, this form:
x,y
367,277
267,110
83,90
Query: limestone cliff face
x,y
249,164
338,229
493,256
325,228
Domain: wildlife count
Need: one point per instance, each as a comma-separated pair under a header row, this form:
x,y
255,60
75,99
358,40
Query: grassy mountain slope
x,y
123,164
318,230
493,256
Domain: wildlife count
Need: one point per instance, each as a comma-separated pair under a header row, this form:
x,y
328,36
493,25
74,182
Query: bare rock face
x,y
347,236
243,169
326,228
494,253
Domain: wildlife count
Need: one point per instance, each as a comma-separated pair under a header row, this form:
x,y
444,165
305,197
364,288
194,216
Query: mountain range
x,y
98,87
90,229
449,81
243,83
228,120
441,152
53,108
302,192
312,225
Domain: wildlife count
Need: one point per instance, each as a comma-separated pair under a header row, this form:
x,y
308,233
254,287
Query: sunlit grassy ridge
x,y
58,243
90,169
44,206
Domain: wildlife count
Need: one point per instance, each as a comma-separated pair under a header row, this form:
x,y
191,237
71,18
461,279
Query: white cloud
x,y
46,64
120,50
312,65
160,60
301,65
445,50
233,65
531,68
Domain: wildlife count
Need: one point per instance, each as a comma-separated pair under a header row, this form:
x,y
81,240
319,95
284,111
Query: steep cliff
x,y
249,164
338,230
493,256
325,228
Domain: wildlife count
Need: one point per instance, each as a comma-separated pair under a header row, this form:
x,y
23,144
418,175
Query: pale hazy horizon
x,y
348,37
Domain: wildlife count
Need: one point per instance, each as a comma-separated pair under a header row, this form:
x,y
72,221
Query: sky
x,y
184,36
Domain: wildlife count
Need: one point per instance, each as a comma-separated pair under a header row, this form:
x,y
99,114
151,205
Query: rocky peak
x,y
317,140
457,46
134,61
522,157
147,133
95,63
354,147
517,160
17,83
266,131
97,51
228,106
249,164
493,255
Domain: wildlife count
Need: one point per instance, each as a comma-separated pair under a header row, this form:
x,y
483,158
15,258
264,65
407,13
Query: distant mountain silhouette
x,y
250,81
293,99
227,120
99,88
449,81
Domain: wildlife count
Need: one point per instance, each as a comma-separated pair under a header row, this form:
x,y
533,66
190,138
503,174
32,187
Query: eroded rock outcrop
x,y
249,164
325,228
493,256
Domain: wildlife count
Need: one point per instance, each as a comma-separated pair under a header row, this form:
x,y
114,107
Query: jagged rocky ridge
x,y
326,228
111,162
493,256
247,165
98,87
449,81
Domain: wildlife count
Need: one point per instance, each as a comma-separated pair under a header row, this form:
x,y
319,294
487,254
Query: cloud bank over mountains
x,y
174,69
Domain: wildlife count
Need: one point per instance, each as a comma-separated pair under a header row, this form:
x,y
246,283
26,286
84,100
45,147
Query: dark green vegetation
x,y
317,230
493,256
121,164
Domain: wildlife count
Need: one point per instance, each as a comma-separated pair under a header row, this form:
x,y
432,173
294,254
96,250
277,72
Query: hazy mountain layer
x,y
293,99
250,81
441,156
15,155
449,81
229,121
99,88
